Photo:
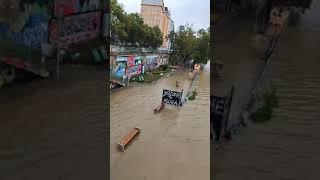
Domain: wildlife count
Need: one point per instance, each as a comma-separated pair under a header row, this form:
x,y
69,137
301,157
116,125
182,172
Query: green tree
x,y
147,37
118,20
151,36
187,45
201,52
184,43
130,28
156,37
134,29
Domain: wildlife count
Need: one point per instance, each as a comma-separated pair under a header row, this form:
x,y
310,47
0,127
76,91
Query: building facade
x,y
170,29
154,13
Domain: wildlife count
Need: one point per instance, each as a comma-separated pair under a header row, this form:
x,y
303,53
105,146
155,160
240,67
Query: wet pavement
x,y
173,144
288,146
54,130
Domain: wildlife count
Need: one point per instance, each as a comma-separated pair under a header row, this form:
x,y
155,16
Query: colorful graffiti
x,y
120,71
29,26
122,67
76,28
134,70
32,36
151,63
118,68
69,7
131,60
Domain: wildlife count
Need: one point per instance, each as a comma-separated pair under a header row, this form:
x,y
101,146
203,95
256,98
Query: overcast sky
x,y
196,12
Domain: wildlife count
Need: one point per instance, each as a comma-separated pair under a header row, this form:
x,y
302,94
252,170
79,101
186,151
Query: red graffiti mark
x,y
134,70
130,61
68,7
54,31
18,63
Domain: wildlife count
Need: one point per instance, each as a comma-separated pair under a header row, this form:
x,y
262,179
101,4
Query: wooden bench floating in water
x,y
159,108
128,138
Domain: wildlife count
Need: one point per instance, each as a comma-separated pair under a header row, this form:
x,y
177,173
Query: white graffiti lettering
x,y
77,28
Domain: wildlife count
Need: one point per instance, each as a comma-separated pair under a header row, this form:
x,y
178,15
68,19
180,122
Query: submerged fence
x,y
193,83
220,111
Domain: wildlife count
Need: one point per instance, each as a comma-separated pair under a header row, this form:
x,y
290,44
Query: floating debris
x,y
128,138
159,108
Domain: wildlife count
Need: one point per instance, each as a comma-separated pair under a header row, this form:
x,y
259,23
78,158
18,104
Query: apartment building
x,y
154,13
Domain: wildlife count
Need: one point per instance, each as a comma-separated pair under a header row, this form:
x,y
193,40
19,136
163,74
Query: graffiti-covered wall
x,y
76,28
126,61
123,67
27,24
69,7
151,62
30,24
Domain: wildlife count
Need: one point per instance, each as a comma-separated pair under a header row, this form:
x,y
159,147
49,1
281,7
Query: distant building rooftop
x,y
153,2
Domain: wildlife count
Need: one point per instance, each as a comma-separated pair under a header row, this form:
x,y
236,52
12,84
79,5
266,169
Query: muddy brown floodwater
x,y
172,145
55,130
288,146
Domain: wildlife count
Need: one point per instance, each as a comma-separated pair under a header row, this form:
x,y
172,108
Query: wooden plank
x,y
128,138
159,108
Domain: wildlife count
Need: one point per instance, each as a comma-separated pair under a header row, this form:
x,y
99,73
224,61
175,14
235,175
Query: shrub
x,y
262,114
265,112
271,99
193,96
164,67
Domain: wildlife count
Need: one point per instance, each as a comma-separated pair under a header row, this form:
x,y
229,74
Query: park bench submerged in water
x,y
159,108
128,138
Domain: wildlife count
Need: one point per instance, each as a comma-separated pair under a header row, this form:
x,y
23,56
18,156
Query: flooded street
x,y
288,146
54,130
172,145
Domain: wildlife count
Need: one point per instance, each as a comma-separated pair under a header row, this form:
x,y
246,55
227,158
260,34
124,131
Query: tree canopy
x,y
130,29
188,44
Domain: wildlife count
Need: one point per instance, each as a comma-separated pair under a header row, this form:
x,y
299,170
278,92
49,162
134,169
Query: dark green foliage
x,y
164,67
187,44
131,30
151,76
271,99
193,95
265,112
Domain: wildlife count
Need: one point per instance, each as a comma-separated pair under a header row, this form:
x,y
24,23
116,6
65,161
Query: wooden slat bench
x,y
128,138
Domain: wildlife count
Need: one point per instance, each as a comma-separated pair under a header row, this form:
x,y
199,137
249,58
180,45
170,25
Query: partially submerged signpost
x,y
170,97
219,120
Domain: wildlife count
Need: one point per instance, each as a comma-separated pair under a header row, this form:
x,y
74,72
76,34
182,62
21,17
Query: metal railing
x,y
220,111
